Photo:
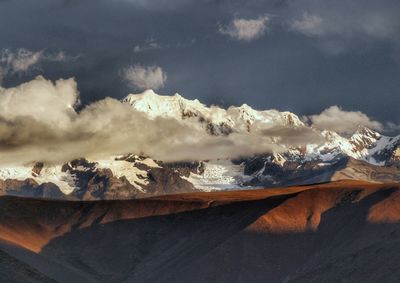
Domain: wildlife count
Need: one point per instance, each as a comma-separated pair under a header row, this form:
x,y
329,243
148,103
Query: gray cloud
x,y
294,137
145,77
345,25
308,24
367,18
149,44
245,29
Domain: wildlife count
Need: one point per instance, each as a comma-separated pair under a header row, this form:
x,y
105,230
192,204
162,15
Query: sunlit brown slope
x,y
32,223
287,234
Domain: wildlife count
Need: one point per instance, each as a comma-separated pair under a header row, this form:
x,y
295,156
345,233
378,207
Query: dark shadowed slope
x,y
320,233
13,270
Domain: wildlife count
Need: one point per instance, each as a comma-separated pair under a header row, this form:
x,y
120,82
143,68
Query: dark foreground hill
x,y
341,231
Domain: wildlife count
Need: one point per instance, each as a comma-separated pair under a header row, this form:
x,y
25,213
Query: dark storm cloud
x,y
314,55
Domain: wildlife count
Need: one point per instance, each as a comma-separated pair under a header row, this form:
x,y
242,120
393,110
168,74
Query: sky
x,y
304,56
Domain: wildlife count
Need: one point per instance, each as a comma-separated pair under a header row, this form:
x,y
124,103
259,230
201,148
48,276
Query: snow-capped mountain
x,y
214,119
365,155
365,144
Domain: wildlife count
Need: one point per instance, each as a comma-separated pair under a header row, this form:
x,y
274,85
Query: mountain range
x,y
365,155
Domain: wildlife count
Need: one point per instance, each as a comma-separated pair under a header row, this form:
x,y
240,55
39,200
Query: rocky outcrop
x,y
30,188
267,173
102,184
166,181
97,183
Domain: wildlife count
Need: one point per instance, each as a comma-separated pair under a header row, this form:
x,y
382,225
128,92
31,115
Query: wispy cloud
x,y
149,44
308,24
23,60
245,29
350,20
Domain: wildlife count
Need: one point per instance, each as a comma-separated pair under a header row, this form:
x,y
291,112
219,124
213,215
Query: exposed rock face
x,y
93,183
37,168
390,155
16,187
50,190
395,157
96,183
269,173
185,168
363,138
29,188
133,176
103,185
167,181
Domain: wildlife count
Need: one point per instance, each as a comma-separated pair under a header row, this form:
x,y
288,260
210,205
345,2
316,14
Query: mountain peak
x,y
155,105
365,131
364,138
235,118
149,92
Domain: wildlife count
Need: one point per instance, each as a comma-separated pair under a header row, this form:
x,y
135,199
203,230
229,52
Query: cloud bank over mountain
x,y
344,122
38,121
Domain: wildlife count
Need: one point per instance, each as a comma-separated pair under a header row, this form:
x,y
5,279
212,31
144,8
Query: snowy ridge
x,y
155,105
195,113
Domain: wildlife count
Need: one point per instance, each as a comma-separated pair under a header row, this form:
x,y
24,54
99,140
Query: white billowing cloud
x,y
41,100
38,123
22,60
341,121
145,77
310,25
245,29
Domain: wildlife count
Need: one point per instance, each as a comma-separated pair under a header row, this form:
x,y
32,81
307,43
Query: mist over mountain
x,y
149,144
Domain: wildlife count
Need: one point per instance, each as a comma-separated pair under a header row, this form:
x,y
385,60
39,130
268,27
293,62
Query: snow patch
x,y
51,174
122,168
219,175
